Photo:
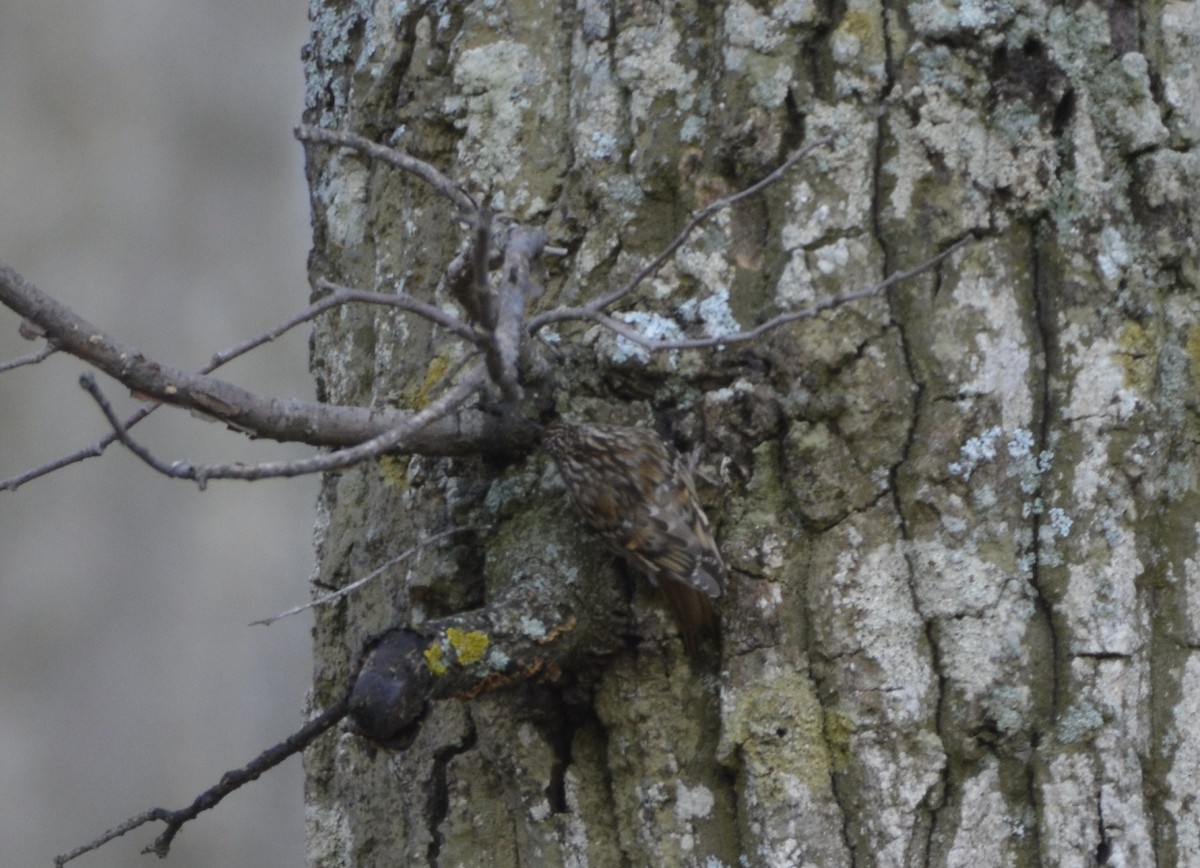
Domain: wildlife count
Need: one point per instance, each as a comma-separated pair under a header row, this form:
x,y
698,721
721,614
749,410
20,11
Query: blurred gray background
x,y
149,180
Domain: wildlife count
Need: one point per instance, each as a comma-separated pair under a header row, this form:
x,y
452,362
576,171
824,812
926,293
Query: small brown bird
x,y
635,492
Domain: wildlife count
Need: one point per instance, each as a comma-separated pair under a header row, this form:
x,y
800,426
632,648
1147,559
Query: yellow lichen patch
x,y
1193,352
1136,357
393,469
433,659
858,24
839,726
433,375
470,644
778,725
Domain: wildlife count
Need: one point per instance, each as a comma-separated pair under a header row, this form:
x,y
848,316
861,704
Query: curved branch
x,y
393,439
285,420
218,359
437,316
392,157
338,295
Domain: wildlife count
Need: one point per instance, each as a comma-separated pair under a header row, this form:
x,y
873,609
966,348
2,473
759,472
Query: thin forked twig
x,y
375,573
230,781
392,157
699,217
218,359
311,312
32,359
587,314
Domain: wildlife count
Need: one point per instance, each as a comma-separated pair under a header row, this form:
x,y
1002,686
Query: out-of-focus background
x,y
149,180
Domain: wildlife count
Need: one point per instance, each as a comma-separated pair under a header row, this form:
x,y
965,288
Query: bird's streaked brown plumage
x,y
636,493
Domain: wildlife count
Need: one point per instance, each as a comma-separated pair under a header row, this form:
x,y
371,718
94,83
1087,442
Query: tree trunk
x,y
962,625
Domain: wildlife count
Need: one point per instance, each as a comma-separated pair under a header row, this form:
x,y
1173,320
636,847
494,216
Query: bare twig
x,y
278,330
437,316
391,157
230,781
92,451
699,217
587,314
392,439
88,381
375,573
32,359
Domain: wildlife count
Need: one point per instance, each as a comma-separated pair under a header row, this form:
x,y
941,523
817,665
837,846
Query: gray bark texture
x,y
963,622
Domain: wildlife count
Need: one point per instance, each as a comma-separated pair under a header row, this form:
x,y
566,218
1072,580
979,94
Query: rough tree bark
x,y
963,623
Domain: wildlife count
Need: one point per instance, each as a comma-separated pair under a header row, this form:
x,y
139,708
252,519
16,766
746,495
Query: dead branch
x,y
338,295
396,438
217,360
284,420
589,314
230,781
318,424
